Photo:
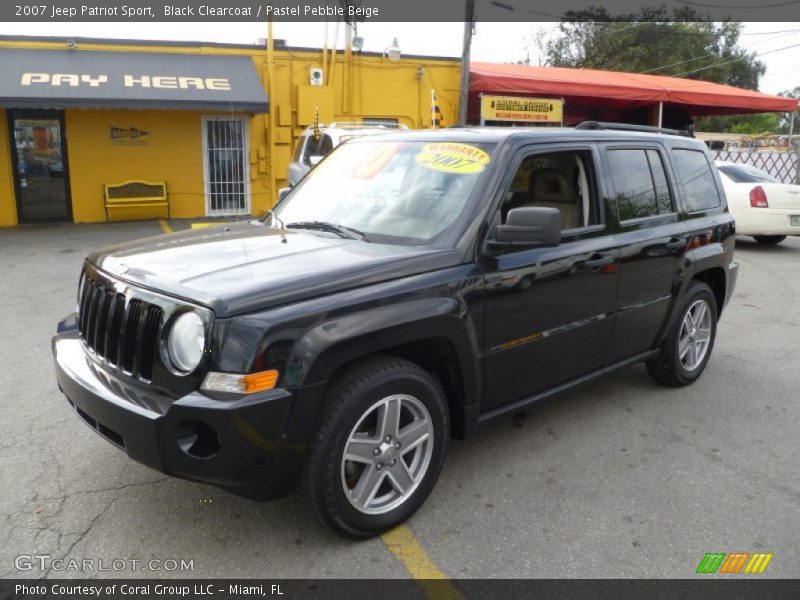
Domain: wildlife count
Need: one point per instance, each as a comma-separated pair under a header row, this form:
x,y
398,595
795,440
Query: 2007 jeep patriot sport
x,y
412,287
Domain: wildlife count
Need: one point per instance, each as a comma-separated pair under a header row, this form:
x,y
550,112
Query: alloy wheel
x,y
387,454
695,335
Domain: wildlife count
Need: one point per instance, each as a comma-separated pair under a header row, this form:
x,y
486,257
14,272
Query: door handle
x,y
676,243
601,261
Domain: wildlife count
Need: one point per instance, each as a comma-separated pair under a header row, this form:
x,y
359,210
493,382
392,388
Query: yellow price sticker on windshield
x,y
449,157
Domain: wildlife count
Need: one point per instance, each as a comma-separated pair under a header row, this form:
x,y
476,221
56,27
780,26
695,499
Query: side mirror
x,y
529,226
315,159
282,193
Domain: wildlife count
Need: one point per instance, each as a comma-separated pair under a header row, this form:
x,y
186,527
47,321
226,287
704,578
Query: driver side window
x,y
561,180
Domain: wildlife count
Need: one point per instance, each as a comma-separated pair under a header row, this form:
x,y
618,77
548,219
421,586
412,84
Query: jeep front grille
x,y
123,331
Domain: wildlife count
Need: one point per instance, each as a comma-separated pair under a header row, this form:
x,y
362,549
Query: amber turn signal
x,y
259,382
241,384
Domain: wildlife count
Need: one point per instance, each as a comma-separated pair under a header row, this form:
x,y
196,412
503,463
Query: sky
x,y
493,42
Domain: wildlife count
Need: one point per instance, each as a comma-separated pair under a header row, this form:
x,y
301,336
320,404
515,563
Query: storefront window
x,y
226,166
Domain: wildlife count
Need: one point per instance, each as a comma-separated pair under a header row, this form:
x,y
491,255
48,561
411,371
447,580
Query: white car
x,y
763,207
310,150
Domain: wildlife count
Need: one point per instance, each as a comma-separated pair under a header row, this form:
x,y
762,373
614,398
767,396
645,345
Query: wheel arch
x,y
439,357
444,343
714,277
436,354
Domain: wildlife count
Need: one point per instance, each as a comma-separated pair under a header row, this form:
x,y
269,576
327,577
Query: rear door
x,y
549,311
652,240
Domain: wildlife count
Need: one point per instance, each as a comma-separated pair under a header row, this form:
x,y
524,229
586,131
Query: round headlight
x,y
187,338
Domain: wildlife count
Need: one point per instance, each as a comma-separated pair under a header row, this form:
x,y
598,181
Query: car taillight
x,y
758,197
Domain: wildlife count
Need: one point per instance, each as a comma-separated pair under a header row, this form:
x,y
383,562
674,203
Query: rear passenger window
x,y
640,183
698,186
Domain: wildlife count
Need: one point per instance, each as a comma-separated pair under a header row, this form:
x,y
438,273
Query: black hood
x,y
245,267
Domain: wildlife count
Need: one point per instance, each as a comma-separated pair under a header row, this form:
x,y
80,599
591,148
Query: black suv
x,y
414,286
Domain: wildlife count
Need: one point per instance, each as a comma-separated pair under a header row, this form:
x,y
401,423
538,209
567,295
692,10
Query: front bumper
x,y
239,445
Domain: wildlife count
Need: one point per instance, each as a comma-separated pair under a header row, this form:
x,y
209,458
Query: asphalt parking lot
x,y
620,479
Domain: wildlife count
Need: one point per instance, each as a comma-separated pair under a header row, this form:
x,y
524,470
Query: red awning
x,y
613,87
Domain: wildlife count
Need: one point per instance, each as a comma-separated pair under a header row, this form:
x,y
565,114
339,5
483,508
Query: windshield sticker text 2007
x,y
453,158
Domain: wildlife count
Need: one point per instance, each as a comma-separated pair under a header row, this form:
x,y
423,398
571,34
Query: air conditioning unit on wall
x,y
315,76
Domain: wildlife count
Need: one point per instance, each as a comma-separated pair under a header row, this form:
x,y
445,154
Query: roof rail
x,y
629,127
361,125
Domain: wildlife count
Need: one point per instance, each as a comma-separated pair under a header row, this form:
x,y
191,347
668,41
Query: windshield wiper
x,y
341,230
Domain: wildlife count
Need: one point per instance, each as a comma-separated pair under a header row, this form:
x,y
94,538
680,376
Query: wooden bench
x,y
136,194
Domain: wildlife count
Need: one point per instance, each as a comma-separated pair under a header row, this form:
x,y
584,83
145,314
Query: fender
x,y
695,261
335,342
326,347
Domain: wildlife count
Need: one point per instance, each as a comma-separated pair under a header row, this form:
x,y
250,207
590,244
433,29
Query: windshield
x,y
408,193
746,174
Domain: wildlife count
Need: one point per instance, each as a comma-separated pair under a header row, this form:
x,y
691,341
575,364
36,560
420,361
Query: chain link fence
x,y
781,165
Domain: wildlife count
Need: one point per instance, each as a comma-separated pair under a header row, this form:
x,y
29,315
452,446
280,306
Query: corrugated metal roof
x,y
139,80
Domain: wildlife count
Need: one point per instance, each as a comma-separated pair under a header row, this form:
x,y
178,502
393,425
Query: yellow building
x,y
205,119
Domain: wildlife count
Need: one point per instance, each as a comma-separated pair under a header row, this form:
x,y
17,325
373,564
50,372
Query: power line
x,y
696,33
727,62
791,68
718,33
683,62
512,8
768,32
705,5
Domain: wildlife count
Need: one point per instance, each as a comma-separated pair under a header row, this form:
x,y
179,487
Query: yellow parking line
x,y
204,225
407,549
165,226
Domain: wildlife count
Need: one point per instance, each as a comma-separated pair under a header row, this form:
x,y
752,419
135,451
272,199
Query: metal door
x,y
38,152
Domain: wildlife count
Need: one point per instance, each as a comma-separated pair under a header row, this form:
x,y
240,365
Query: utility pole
x,y
273,192
791,148
469,25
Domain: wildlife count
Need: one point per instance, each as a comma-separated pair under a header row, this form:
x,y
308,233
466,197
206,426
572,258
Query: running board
x,y
496,413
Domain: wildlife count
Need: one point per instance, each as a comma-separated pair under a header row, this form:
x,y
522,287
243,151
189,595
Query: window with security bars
x,y
227,180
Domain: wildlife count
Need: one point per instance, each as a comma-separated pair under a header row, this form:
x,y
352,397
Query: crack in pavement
x,y
81,536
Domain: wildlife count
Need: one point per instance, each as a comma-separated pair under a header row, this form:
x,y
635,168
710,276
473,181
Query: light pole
x,y
469,24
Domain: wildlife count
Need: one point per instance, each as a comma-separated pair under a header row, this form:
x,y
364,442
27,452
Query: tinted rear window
x,y
746,174
698,185
640,183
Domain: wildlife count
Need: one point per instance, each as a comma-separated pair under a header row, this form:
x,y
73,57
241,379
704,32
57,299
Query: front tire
x,y
685,352
378,447
769,239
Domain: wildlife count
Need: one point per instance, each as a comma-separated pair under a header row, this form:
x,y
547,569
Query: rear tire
x,y
390,417
685,351
769,239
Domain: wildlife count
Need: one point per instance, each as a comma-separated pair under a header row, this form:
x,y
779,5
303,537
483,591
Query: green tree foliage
x,y
786,118
752,124
745,124
654,40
